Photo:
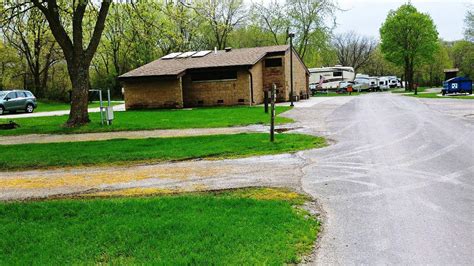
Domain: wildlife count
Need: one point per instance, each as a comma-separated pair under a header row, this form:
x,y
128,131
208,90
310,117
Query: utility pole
x,y
291,35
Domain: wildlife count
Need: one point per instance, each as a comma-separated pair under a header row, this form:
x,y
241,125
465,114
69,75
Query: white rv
x,y
384,83
326,78
393,82
374,83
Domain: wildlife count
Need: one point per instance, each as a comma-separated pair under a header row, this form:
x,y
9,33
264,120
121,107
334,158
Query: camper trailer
x,y
374,83
327,78
384,83
393,82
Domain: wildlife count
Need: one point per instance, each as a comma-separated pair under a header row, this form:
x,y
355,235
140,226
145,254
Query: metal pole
x,y
272,120
291,35
100,108
109,121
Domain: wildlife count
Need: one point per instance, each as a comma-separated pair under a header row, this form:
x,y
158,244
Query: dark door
x,y
11,103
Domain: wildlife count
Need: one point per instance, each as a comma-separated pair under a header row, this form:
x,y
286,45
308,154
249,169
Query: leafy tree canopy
x,y
408,33
409,39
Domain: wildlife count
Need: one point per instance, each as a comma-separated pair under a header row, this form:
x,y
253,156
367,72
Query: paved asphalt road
x,y
398,185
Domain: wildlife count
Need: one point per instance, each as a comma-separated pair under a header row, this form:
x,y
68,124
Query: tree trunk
x,y
407,75
411,78
37,84
79,75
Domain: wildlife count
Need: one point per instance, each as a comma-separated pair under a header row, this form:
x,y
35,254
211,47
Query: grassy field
x,y
151,119
47,106
230,228
25,156
435,95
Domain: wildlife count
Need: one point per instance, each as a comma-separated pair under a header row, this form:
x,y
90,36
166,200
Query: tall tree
x,y
10,67
354,50
77,27
308,20
469,30
433,71
462,54
272,18
29,34
379,66
221,16
183,25
77,53
408,38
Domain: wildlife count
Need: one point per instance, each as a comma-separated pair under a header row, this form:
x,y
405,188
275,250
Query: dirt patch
x,y
96,178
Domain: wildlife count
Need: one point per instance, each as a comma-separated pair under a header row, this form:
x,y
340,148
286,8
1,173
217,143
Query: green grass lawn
x,y
48,106
435,95
24,156
189,229
150,119
332,94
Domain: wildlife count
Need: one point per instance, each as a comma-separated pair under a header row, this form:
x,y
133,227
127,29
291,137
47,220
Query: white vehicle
x,y
399,83
331,77
384,83
393,82
374,83
362,82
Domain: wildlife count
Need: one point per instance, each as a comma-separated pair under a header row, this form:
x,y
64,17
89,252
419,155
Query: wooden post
x,y
265,100
272,121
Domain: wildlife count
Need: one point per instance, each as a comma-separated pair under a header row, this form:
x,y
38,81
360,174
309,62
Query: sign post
x,y
272,121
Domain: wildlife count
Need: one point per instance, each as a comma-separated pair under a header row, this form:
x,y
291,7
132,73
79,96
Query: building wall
x,y
300,77
275,75
257,76
216,93
142,94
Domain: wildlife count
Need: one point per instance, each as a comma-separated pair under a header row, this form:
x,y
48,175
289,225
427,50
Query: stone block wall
x,y
257,76
217,92
143,94
300,77
275,75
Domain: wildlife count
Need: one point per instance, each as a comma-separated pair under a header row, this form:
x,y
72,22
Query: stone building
x,y
213,78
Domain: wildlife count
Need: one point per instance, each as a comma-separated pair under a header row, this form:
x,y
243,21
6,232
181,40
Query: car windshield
x,y
2,94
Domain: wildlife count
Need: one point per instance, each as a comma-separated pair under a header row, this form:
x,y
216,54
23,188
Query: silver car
x,y
15,100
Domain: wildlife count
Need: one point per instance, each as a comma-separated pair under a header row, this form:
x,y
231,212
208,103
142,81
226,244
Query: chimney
x,y
228,49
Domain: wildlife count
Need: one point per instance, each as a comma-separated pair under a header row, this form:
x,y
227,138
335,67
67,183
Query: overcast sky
x,y
366,16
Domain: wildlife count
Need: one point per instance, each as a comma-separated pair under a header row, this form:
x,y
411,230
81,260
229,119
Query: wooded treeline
x,y
138,32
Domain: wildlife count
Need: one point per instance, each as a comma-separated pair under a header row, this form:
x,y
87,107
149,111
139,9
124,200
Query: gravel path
x,y
117,108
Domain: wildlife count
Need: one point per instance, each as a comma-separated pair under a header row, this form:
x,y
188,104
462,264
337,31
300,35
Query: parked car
x,y
15,100
457,85
357,85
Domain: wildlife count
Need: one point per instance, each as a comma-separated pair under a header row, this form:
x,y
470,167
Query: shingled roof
x,y
178,66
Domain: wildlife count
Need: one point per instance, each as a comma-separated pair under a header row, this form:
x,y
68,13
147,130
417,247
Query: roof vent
x,y
228,49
